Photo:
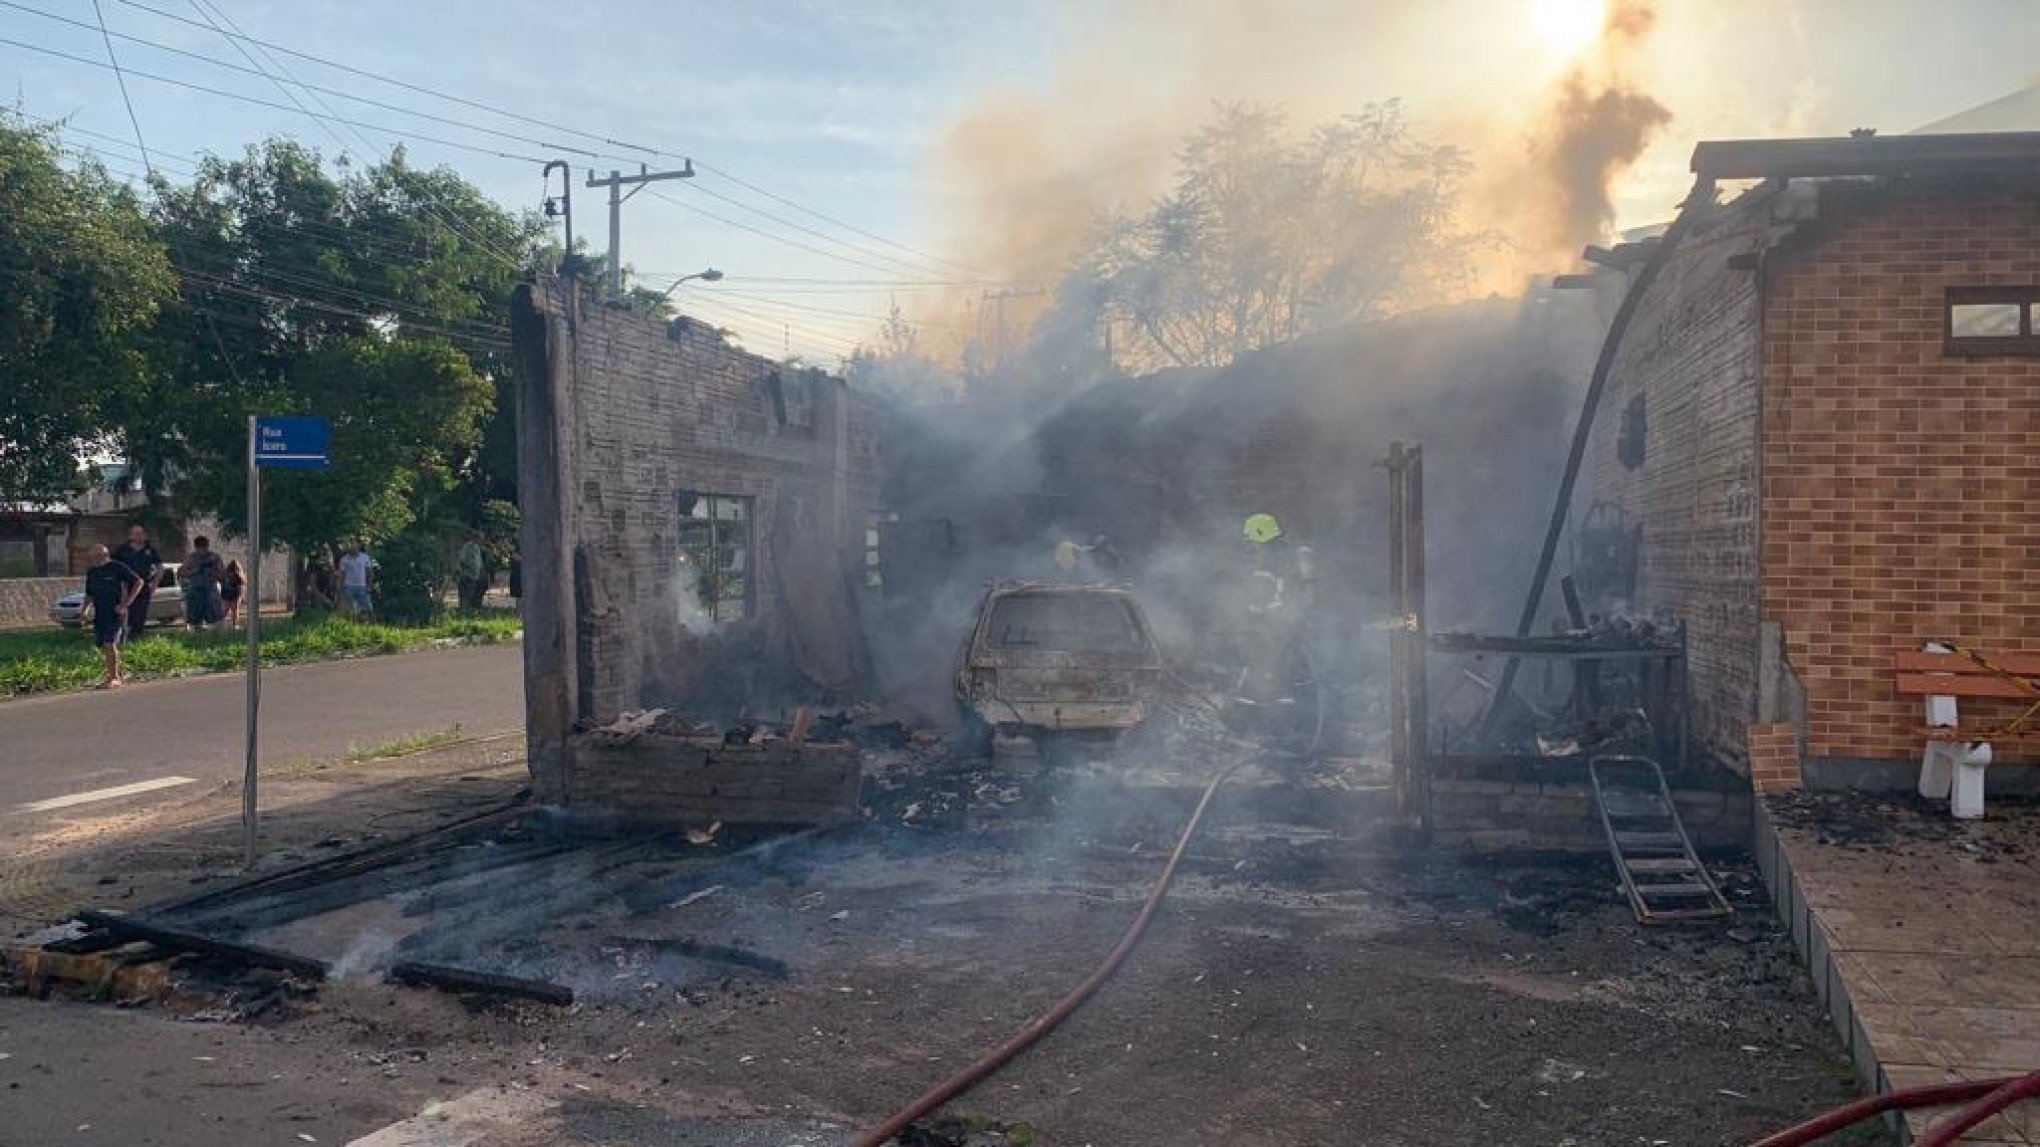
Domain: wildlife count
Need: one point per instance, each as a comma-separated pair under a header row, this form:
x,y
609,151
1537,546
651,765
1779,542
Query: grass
x,y
405,746
55,660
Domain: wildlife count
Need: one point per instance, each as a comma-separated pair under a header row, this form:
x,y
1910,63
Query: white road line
x,y
105,794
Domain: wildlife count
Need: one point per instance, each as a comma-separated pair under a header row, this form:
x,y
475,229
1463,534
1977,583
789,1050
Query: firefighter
x,y
1281,595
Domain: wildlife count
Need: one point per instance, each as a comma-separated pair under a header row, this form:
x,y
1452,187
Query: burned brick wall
x,y
698,521
1674,470
1901,498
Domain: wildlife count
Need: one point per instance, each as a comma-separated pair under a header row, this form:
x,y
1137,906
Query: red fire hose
x,y
1985,1098
969,1077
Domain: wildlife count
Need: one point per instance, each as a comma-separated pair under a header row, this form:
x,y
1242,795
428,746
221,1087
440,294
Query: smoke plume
x,y
1022,177
1594,125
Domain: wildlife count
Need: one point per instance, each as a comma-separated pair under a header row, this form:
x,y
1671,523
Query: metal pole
x,y
615,234
1398,637
1418,700
254,594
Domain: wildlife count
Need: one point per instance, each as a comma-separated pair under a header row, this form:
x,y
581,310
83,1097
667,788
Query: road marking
x,y
114,793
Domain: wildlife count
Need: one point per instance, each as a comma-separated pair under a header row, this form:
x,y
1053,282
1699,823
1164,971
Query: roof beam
x,y
1867,155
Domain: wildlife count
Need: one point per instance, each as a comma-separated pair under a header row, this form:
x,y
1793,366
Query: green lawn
x,y
53,660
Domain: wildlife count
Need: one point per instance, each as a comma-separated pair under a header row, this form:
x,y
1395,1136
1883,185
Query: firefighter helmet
x,y
1260,528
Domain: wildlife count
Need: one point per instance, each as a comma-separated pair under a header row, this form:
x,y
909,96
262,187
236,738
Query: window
x,y
1065,623
1630,441
715,553
1993,321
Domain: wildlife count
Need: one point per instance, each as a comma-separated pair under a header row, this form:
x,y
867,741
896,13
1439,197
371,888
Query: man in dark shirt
x,y
139,555
110,592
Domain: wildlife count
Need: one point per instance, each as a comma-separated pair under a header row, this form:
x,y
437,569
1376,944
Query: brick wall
x,y
1774,756
1901,494
639,411
1692,352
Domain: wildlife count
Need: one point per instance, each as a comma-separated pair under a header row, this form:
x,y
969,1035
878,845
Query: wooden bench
x,y
1953,763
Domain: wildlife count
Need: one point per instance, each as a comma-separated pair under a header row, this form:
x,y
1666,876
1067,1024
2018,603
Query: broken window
x,y
1065,623
715,551
1993,320
1630,441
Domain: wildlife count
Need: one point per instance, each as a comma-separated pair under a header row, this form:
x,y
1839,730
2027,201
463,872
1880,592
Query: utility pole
x,y
615,184
1000,296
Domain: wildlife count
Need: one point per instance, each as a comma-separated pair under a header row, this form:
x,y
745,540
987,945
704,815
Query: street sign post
x,y
275,442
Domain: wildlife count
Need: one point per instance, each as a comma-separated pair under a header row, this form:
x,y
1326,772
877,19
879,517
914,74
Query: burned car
x,y
1057,662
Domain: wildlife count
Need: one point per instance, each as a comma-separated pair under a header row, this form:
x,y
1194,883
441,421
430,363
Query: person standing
x,y
232,584
111,588
200,578
139,555
469,572
357,580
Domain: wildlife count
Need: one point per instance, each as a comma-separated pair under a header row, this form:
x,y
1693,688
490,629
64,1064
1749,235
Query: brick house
x,y
1818,433
686,503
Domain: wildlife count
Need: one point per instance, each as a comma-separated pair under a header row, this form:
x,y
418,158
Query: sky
x,y
822,129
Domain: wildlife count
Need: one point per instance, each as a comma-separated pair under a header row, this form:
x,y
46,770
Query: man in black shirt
x,y
110,592
139,555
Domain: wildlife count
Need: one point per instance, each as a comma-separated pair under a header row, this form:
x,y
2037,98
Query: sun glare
x,y
1564,27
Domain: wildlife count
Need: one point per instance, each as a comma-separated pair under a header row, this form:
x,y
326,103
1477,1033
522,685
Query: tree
x,y
1269,235
377,298
81,279
897,369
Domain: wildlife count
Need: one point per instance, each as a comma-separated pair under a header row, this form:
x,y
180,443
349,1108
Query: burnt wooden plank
x,y
419,974
177,939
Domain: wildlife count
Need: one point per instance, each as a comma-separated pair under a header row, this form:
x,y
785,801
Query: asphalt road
x,y
66,753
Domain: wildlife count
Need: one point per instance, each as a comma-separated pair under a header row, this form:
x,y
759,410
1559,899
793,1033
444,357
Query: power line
x,y
257,71
506,113
121,78
850,227
830,310
909,268
445,219
394,133
763,234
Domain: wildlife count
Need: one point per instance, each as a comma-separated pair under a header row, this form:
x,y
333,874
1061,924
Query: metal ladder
x,y
1663,877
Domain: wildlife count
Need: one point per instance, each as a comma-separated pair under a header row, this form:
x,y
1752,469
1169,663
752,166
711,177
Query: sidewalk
x,y
1923,934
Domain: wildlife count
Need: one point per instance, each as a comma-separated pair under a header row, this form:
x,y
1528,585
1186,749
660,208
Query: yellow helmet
x,y
1261,528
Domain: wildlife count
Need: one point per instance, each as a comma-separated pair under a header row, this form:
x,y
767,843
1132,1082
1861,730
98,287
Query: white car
x,y
165,608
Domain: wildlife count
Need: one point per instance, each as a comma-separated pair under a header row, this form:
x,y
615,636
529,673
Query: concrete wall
x,y
622,414
1901,496
1692,355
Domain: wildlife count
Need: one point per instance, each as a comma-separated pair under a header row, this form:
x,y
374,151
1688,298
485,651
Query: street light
x,y
709,276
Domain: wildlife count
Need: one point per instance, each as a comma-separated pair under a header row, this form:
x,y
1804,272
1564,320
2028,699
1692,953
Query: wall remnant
x,y
694,523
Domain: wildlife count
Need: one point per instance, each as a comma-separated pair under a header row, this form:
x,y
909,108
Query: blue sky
x,y
843,107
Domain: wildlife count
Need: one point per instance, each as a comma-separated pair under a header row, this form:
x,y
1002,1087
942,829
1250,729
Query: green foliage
x,y
413,573
81,278
376,298
48,660
500,523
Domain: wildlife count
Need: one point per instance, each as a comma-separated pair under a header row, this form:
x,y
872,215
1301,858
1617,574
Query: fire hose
x,y
1985,1098
1047,1021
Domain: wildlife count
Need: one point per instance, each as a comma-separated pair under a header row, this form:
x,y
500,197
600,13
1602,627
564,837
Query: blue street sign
x,y
292,441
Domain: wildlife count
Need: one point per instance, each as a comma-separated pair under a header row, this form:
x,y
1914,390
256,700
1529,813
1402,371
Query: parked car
x,y
165,608
1070,662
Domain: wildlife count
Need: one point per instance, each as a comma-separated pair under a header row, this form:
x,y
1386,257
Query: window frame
x,y
710,590
2024,344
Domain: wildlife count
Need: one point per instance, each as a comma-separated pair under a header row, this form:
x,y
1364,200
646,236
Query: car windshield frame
x,y
1112,625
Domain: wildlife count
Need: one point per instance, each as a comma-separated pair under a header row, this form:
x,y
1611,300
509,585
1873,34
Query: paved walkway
x,y
152,740
1924,936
